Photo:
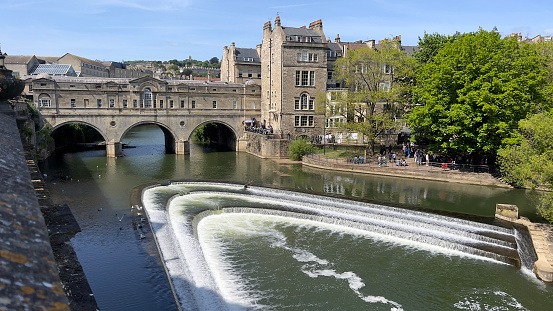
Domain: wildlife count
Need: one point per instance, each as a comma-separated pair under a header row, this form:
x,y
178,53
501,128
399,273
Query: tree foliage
x,y
298,148
379,82
529,162
474,92
430,44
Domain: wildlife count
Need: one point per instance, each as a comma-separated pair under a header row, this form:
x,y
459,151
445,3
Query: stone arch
x,y
232,145
170,135
57,126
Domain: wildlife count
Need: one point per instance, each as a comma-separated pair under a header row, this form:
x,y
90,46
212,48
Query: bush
x,y
299,148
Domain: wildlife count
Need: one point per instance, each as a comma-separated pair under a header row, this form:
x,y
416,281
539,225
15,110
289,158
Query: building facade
x,y
294,70
241,64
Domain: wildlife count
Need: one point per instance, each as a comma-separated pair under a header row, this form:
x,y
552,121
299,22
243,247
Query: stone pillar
x,y
114,149
507,212
182,147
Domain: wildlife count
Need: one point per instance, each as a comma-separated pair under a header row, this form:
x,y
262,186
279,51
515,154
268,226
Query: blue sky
x,y
119,30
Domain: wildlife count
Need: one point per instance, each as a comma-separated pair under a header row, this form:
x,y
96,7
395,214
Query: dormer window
x,y
248,59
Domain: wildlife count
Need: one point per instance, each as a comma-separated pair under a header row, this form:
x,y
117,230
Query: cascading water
x,y
200,271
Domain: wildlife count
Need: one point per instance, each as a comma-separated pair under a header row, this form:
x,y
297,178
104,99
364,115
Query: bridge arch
x,y
94,126
170,135
223,139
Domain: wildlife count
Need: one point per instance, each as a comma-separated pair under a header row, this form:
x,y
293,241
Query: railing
x,y
259,130
469,168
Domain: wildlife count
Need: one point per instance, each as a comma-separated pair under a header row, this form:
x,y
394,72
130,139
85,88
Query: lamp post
x,y
2,57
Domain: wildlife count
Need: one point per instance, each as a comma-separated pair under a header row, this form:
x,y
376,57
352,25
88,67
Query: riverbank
x,y
412,170
62,226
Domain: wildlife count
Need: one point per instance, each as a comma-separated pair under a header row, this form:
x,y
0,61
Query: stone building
x,y
142,93
241,64
294,69
86,67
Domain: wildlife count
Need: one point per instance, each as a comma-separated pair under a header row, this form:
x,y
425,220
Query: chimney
x,y
318,26
267,26
208,75
277,21
370,44
337,39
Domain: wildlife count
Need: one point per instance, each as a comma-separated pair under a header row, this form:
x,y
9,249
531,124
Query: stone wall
x,y
266,146
29,278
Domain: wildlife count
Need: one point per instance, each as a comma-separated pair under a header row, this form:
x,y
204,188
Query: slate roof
x,y
18,59
242,53
302,32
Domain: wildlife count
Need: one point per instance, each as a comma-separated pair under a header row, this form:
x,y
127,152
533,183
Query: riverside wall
x,y
29,278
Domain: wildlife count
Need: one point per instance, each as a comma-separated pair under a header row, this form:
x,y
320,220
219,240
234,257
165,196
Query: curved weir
x,y
178,210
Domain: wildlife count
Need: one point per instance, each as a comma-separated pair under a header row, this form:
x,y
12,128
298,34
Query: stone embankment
x,y
29,278
410,171
542,239
39,269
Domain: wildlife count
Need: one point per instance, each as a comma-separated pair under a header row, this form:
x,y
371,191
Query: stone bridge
x,y
177,127
114,106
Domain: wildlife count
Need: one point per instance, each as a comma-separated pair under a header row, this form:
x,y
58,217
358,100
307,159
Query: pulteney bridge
x,y
178,107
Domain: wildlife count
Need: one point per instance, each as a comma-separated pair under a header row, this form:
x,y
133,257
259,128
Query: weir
x,y
452,235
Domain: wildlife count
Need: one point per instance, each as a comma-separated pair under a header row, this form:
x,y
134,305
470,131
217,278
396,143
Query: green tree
x,y
173,67
475,91
298,148
187,72
377,80
529,162
213,60
430,44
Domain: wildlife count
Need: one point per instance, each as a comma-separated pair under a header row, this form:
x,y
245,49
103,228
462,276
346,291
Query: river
x,y
125,273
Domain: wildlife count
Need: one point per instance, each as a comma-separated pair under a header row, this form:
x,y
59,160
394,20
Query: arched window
x,y
304,99
44,100
147,98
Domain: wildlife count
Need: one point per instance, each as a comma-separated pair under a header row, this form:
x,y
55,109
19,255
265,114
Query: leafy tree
x,y
377,80
214,60
475,91
174,68
430,44
298,148
529,162
187,72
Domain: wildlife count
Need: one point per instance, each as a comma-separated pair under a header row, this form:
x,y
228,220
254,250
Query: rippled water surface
x,y
318,268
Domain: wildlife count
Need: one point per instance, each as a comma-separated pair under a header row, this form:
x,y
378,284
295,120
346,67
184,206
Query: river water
x,y
125,273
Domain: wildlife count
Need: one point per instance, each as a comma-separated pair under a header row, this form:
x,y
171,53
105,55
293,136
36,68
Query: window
x,y
253,105
214,104
147,98
303,122
297,121
30,87
329,75
73,103
387,69
125,103
161,103
234,105
182,103
86,103
250,74
99,103
268,71
44,101
240,73
171,105
305,78
259,74
193,104
304,56
307,57
311,104
303,100
43,84
297,104
111,103
135,103
310,121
